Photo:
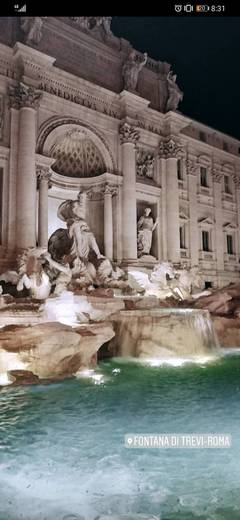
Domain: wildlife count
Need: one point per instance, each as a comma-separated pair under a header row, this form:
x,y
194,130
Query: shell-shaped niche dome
x,y
77,156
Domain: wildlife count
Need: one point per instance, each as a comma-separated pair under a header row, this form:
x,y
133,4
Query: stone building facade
x,y
70,120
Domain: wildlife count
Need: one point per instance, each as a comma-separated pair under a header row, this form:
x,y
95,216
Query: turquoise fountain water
x,y
63,454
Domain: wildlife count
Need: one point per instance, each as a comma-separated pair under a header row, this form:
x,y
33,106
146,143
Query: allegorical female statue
x,y
32,27
175,95
145,228
131,69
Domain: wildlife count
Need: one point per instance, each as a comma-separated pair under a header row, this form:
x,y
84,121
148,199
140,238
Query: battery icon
x,y
202,8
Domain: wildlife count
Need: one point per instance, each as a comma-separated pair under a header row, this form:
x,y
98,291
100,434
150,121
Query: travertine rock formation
x,y
49,350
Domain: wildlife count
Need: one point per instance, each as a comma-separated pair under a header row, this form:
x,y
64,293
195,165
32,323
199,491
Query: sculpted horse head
x,y
32,275
161,273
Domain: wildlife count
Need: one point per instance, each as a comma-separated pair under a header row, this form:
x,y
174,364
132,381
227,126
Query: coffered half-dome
x,y
77,155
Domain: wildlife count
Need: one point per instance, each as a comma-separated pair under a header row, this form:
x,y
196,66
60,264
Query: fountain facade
x,y
59,327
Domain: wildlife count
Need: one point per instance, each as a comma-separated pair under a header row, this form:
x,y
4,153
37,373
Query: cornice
x,y
201,147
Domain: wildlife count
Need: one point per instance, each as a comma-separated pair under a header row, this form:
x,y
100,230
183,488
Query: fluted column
x,y
191,165
108,222
169,149
12,179
26,99
162,228
43,177
128,137
217,193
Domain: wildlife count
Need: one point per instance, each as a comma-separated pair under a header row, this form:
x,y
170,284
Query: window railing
x,y
184,252
230,257
206,255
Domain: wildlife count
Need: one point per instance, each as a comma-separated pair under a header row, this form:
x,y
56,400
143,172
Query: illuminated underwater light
x,y
5,379
91,374
177,361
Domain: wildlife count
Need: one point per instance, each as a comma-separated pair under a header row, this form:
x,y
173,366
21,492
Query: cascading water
x,y
163,333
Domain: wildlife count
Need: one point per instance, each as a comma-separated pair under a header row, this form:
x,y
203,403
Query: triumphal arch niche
x,y
82,161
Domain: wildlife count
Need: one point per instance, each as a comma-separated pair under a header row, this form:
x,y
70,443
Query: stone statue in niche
x,y
131,69
145,228
32,27
175,95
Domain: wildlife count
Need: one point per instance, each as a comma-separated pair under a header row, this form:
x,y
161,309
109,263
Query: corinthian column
x,y
108,221
217,193
43,177
236,180
193,208
128,138
169,149
26,99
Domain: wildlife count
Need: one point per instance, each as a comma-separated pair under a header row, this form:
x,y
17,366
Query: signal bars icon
x,y
20,8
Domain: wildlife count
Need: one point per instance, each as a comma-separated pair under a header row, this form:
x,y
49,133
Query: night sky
x,y
205,55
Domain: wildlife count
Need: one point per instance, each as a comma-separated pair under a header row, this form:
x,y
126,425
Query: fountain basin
x,y
64,456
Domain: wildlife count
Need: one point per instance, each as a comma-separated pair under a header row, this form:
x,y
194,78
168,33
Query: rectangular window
x,y
208,284
182,237
203,177
205,241
179,170
1,203
230,244
227,184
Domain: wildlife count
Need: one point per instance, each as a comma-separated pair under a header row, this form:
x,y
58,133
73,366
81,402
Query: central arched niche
x,y
77,155
78,152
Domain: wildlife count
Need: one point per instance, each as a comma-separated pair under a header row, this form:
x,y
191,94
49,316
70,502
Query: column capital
x,y
95,193
110,190
236,180
128,134
43,173
170,147
217,175
98,192
217,172
22,95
